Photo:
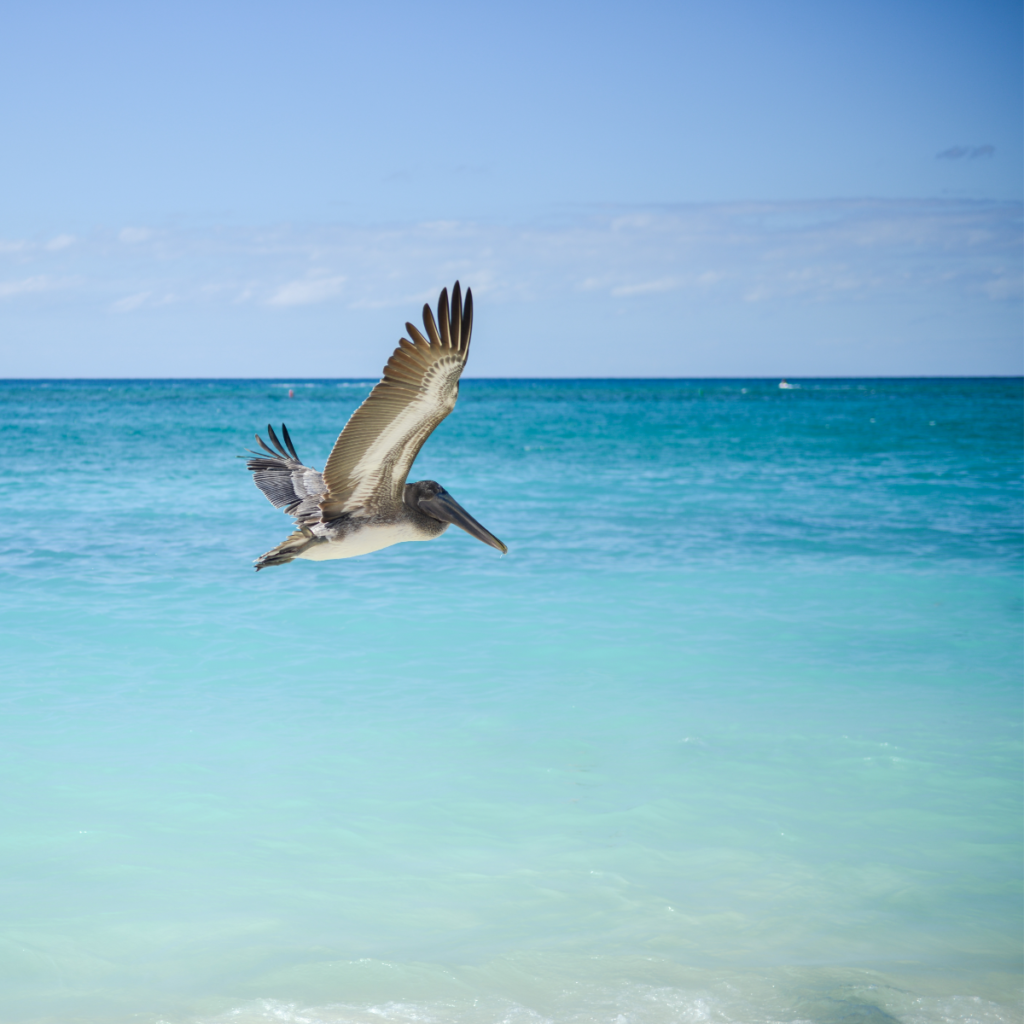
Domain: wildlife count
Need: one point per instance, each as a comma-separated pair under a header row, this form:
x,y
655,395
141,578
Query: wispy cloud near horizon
x,y
644,264
308,291
811,251
33,286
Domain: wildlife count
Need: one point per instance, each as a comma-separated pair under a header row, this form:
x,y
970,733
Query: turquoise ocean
x,y
732,734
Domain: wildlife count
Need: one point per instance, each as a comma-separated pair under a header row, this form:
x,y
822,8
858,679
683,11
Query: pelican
x,y
361,502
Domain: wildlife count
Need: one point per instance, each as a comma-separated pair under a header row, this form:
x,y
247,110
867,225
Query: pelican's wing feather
x,y
286,482
371,459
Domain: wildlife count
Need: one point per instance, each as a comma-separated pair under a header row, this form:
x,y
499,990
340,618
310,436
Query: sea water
x,y
732,734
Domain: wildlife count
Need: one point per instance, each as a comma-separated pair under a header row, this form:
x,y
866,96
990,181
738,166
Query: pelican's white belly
x,y
362,542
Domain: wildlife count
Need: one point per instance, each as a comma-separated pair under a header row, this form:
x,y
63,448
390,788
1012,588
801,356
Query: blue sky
x,y
645,189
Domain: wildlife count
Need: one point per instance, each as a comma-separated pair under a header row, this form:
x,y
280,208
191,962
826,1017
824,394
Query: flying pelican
x,y
361,502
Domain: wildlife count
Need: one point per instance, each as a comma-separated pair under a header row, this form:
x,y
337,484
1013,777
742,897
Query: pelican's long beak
x,y
448,510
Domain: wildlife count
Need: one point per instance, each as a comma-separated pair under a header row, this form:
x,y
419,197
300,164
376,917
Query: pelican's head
x,y
430,498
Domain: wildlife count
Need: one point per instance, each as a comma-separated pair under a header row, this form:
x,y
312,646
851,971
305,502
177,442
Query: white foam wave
x,y
781,998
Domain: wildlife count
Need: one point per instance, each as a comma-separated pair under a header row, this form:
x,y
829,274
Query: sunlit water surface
x,y
732,734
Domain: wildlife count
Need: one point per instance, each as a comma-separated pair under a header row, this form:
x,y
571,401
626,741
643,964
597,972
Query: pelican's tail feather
x,y
290,548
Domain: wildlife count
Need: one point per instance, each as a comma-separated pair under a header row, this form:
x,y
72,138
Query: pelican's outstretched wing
x,y
286,482
372,457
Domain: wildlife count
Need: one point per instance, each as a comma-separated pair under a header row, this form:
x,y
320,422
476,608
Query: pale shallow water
x,y
732,734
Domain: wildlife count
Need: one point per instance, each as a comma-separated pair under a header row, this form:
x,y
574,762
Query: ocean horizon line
x,y
737,377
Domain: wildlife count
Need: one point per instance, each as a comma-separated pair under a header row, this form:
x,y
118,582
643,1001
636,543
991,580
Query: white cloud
x,y
307,292
769,253
712,288
664,284
856,249
1003,287
130,302
709,278
41,283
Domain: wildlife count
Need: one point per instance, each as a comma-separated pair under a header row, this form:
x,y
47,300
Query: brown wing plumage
x,y
371,459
